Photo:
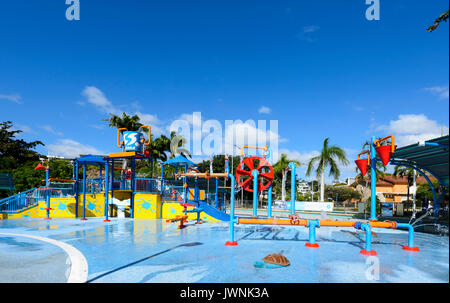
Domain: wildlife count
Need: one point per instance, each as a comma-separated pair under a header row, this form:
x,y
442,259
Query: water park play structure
x,y
123,194
183,197
380,150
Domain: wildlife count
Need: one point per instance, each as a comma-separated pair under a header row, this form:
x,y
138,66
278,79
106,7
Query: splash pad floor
x,y
146,251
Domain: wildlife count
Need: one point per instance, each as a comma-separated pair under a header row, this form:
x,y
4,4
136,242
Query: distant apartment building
x,y
303,188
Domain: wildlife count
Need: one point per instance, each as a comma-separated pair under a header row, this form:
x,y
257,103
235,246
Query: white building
x,y
303,188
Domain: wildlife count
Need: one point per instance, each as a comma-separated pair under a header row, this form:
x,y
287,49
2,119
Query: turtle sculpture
x,y
273,261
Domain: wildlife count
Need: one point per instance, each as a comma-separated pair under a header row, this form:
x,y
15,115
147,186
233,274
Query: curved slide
x,y
214,212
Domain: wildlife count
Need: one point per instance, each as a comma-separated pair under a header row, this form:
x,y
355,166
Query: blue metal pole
x,y
112,187
368,250
255,192
133,187
292,166
106,190
410,228
77,183
373,181
185,184
232,219
312,224
217,193
84,192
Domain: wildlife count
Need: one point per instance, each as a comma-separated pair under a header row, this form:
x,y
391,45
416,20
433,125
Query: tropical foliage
x,y
280,170
330,156
131,123
342,193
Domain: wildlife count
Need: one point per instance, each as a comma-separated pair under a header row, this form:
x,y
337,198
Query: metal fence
x,y
18,202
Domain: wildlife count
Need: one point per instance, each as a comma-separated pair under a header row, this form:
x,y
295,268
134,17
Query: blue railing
x,y
19,201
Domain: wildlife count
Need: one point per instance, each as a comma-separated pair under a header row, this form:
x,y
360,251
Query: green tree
x,y
408,172
131,123
342,193
437,22
330,156
280,170
15,152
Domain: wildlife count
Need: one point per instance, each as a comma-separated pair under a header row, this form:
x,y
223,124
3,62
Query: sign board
x,y
311,206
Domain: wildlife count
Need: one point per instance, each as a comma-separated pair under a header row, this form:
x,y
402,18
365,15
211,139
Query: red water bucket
x,y
384,152
40,166
362,165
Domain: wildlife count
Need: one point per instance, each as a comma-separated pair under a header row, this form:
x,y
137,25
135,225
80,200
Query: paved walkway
x,y
127,250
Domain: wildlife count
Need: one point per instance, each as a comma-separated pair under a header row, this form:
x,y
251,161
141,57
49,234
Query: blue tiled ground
x,y
126,250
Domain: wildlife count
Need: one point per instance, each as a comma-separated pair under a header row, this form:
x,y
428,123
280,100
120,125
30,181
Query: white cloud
x,y
296,155
24,128
50,129
409,129
71,149
264,110
307,33
441,91
96,97
16,98
310,28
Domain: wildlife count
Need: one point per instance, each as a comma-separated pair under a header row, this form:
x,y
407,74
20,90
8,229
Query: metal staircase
x,y
19,202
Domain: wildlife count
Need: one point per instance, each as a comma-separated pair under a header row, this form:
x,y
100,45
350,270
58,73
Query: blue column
x,y
162,181
112,187
106,190
84,191
47,176
232,219
217,193
373,181
185,184
133,187
292,167
255,192
76,189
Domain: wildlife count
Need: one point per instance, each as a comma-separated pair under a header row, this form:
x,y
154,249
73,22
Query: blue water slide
x,y
214,212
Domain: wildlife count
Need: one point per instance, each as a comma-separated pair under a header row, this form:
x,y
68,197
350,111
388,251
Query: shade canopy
x,y
180,161
432,155
91,160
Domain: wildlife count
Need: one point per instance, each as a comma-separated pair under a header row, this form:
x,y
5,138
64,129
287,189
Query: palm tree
x,y
282,167
329,156
380,173
408,172
131,123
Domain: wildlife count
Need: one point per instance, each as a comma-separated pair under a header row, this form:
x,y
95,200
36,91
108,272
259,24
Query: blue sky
x,y
318,67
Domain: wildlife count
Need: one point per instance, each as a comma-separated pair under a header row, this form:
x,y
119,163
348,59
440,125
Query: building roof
x,y
179,161
91,160
432,155
390,180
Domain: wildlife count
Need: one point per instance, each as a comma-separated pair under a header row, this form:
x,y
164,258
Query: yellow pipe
x,y
149,134
206,175
255,147
119,144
